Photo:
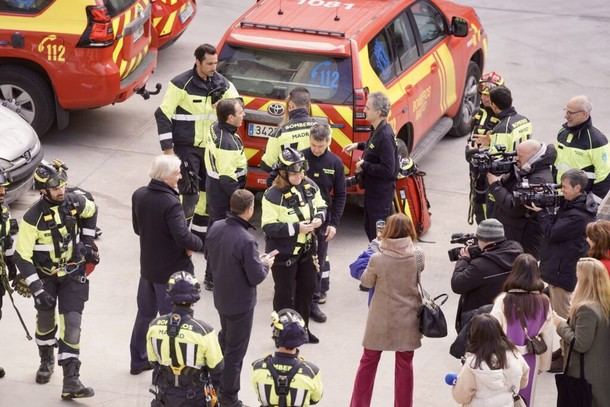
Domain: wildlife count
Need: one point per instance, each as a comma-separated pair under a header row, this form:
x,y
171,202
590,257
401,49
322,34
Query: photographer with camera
x,y
482,267
533,167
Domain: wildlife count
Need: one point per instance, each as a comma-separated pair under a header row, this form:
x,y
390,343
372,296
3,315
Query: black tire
x,y
462,123
36,102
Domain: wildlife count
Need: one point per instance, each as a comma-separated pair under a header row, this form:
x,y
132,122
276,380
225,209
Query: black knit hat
x,y
490,230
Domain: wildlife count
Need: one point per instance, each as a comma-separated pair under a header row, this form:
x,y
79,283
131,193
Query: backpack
x,y
410,197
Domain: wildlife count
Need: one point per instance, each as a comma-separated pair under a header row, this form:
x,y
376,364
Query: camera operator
x,y
479,274
565,238
534,165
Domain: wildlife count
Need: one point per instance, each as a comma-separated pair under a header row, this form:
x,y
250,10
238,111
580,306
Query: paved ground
x,y
556,50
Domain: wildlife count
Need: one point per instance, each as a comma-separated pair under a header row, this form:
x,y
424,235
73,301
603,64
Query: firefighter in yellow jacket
x,y
284,378
54,251
292,209
184,351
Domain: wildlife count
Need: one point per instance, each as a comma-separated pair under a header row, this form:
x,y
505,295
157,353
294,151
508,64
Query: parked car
x,y
426,55
170,18
61,55
20,152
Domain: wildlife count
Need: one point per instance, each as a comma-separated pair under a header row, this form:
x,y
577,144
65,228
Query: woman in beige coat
x,y
392,323
588,327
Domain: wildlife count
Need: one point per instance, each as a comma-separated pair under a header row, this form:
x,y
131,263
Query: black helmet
x,y
292,160
183,288
50,175
288,329
5,179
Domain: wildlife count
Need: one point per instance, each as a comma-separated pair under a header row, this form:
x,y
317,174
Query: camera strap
x,y
282,379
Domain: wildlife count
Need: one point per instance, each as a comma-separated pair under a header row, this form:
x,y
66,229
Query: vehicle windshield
x,y
273,74
116,7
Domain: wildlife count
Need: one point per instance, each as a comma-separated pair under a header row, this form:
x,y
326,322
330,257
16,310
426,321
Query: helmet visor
x,y
58,180
300,166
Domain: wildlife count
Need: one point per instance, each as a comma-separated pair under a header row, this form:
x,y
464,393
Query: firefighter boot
x,y
47,364
73,388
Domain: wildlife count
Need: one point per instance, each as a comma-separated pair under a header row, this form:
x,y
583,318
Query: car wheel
x,y
462,124
28,94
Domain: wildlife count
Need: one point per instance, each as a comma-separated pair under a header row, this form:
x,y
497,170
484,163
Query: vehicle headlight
x,y
5,164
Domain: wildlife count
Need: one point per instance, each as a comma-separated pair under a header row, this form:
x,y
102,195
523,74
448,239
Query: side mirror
x,y
459,27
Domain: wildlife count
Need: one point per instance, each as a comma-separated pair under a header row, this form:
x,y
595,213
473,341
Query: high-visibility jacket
x,y
225,159
183,345
48,235
295,134
283,210
586,148
188,111
304,389
484,120
511,130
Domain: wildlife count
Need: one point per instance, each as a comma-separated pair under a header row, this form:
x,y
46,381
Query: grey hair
x,y
320,132
576,176
584,103
381,103
163,165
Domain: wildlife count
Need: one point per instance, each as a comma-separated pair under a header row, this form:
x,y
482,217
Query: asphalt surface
x,y
547,51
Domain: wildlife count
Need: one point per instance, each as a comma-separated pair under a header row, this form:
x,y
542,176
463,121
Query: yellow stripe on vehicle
x,y
247,99
337,134
169,24
250,152
122,68
156,20
442,84
449,70
117,50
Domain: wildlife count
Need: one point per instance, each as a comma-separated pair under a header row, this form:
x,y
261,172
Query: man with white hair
x,y
166,245
580,145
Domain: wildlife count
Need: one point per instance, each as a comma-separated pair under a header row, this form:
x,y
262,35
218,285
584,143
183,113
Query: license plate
x,y
260,130
138,33
186,13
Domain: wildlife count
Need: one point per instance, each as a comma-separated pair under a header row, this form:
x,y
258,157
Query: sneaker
x,y
322,299
313,338
208,285
316,313
363,288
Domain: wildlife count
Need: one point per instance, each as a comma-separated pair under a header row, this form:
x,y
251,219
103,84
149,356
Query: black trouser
x,y
323,277
295,281
217,201
377,206
234,337
193,177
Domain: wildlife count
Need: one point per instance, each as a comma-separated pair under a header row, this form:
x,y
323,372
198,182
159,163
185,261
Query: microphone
x,y
451,378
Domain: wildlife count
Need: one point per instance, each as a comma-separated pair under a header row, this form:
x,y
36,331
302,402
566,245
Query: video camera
x,y
469,240
541,195
499,163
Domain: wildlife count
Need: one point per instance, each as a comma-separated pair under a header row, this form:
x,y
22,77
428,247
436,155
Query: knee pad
x,y
45,322
70,329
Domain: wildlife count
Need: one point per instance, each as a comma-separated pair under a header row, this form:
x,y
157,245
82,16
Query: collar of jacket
x,y
285,355
205,83
577,129
182,310
396,247
507,113
381,124
300,113
161,186
232,218
227,127
310,156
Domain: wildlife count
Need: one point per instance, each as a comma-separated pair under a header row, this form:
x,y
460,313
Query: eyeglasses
x,y
571,113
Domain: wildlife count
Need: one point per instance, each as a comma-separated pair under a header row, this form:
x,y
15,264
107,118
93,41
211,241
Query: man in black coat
x,y
534,166
565,239
166,245
237,268
479,274
379,164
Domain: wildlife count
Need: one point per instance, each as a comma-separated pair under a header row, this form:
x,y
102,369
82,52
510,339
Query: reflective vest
x,y
293,134
586,148
183,346
283,210
512,129
187,111
303,389
225,156
485,120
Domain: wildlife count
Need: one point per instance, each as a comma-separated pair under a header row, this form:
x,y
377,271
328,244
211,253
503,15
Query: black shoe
x,y
73,388
47,364
316,313
363,288
137,370
557,365
313,338
208,285
322,299
2,372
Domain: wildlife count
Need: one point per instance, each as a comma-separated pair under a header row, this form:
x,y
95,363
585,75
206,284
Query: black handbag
x,y
573,391
533,344
432,322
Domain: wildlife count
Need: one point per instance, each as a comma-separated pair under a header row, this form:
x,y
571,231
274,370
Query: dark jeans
x,y
294,285
152,300
234,337
323,277
377,206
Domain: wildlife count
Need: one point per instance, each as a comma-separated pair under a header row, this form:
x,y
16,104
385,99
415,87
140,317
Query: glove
x,y
92,255
21,287
43,301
